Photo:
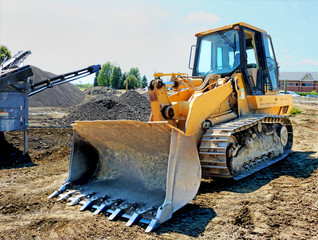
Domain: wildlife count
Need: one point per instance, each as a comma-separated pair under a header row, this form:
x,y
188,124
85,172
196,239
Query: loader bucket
x,y
136,170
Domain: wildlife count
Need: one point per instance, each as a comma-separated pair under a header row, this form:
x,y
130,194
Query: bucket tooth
x,y
115,214
101,208
54,194
76,200
86,205
60,190
153,225
66,195
133,219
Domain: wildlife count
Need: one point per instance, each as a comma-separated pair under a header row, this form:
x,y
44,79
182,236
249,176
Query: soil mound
x,y
136,100
129,106
64,95
100,92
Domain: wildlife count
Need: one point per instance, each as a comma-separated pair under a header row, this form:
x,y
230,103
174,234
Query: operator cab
x,y
238,48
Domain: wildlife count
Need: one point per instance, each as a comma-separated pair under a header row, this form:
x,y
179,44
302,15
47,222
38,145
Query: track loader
x,y
225,121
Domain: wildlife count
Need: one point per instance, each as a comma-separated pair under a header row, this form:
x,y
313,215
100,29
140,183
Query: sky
x,y
153,35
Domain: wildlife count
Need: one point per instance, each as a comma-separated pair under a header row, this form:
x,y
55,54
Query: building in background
x,y
299,81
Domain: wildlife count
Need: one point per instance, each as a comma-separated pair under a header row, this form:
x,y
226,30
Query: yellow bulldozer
x,y
225,121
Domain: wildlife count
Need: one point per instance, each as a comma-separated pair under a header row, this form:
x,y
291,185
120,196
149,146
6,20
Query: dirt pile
x,y
128,106
100,90
64,95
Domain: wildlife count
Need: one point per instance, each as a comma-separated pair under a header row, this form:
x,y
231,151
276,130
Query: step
x,y
215,148
213,153
214,140
213,163
216,135
214,167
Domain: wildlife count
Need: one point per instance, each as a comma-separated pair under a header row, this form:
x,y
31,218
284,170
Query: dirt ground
x,y
279,202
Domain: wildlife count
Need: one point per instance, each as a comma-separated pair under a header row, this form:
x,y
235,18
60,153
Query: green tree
x,y
4,53
116,75
132,81
144,82
135,72
103,78
121,84
95,79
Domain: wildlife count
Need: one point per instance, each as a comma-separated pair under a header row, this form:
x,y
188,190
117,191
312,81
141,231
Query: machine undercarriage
x,y
243,146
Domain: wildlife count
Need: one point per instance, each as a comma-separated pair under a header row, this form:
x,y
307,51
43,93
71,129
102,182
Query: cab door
x,y
271,81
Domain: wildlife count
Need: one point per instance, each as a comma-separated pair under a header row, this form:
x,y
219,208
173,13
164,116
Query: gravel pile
x,y
100,90
138,101
64,95
128,106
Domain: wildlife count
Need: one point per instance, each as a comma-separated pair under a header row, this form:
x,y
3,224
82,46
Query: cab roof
x,y
229,27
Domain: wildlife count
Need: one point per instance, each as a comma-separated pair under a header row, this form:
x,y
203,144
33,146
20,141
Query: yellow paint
x,y
158,99
229,27
183,95
181,110
204,105
156,75
270,104
192,104
269,92
242,102
191,108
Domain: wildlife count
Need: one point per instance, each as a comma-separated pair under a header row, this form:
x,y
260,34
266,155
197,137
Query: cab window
x,y
271,64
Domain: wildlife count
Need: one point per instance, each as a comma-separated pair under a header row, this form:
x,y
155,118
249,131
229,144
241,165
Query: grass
x,y
308,93
83,86
295,111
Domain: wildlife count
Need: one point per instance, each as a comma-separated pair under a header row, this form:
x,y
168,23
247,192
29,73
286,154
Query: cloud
x,y
131,18
289,64
298,65
158,12
202,17
309,61
288,60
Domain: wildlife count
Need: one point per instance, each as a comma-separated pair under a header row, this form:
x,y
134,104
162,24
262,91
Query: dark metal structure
x,y
16,87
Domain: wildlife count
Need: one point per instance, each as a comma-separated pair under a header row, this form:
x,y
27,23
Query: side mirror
x,y
191,61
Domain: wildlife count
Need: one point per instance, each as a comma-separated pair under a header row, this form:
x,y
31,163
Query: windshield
x,y
219,53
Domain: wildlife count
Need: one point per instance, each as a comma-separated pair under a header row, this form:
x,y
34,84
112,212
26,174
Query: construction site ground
x,y
279,202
